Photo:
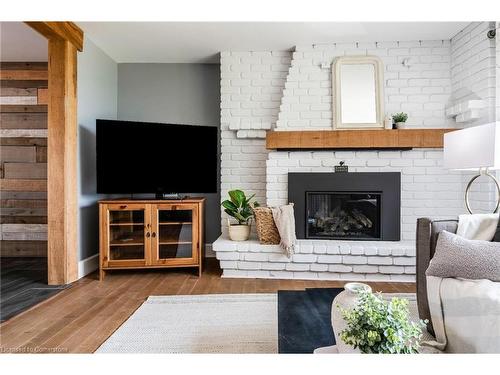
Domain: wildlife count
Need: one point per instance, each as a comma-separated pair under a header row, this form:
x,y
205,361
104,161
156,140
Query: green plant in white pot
x,y
239,207
400,119
378,326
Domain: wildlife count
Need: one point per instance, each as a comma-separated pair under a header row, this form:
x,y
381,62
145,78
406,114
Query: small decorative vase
x,y
401,125
239,232
388,123
347,300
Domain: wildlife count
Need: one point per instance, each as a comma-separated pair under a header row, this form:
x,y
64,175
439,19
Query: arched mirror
x,y
358,98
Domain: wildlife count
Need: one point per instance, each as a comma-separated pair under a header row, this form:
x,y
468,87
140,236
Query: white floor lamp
x,y
475,148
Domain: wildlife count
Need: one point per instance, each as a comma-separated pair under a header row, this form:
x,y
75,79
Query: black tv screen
x,y
142,157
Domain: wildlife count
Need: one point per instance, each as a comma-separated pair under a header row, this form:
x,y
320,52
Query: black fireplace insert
x,y
347,206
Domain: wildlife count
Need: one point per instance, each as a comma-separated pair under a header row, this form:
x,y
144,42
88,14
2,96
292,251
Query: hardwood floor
x,y
80,318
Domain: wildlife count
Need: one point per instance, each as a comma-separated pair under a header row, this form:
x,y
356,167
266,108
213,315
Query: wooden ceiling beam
x,y
67,31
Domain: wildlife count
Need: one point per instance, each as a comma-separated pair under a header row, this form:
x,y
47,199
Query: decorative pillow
x,y
477,226
456,257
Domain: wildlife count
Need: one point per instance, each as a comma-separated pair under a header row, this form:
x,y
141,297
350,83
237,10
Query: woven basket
x,y
266,229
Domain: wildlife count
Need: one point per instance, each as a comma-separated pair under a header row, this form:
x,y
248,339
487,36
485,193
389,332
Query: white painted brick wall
x,y
422,89
497,71
251,90
265,90
474,76
473,68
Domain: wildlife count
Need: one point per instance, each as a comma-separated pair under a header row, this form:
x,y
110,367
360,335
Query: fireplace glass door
x,y
343,215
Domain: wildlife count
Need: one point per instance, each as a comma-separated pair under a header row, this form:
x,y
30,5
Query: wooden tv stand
x,y
150,234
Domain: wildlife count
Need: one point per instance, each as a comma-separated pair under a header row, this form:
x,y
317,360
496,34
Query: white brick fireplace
x,y
426,190
292,91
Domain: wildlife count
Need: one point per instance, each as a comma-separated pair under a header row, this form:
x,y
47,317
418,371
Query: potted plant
x,y
239,207
378,326
400,119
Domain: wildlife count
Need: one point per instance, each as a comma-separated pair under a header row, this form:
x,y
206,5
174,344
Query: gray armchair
x,y
427,234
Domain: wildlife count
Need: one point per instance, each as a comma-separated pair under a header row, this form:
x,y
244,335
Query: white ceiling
x,y
19,42
200,42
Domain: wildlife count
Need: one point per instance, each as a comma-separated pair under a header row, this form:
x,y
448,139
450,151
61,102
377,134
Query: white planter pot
x,y
347,300
401,125
239,232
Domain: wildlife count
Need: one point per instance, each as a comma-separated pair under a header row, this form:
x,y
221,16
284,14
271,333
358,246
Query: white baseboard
x,y
209,253
88,265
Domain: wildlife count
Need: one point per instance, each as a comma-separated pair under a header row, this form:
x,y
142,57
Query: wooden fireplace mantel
x,y
356,139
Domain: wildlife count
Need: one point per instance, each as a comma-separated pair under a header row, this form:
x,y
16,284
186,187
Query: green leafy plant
x,y
378,326
239,206
400,117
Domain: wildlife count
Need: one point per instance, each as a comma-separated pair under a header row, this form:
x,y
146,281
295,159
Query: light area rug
x,y
216,323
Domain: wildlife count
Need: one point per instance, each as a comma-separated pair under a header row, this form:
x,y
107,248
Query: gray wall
x,y
174,93
97,98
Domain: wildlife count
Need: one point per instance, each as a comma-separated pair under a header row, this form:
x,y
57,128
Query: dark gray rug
x,y
304,319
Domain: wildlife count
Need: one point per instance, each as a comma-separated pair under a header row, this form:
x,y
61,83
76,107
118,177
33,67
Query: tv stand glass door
x,y
128,235
175,235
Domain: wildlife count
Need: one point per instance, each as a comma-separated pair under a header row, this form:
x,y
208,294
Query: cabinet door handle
x,y
153,234
123,206
147,234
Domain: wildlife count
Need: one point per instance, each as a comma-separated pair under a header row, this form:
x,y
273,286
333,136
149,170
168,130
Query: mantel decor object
x,y
341,168
474,148
358,86
388,124
400,120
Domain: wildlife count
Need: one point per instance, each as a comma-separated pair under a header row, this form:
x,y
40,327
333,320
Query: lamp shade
x,y
473,148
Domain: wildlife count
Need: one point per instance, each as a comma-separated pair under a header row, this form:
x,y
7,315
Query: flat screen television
x,y
143,157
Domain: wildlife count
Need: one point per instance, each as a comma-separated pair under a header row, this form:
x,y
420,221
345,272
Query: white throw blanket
x,y
477,226
285,223
465,314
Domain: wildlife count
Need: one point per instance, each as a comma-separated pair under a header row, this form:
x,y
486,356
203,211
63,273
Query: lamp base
x,y
486,173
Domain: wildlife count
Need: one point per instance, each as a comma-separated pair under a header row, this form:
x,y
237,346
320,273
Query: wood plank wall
x,y
23,158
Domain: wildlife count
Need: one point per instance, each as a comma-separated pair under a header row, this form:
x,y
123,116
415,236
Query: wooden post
x,y
62,164
65,39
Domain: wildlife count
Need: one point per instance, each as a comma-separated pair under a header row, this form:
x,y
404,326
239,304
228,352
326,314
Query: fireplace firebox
x,y
335,215
347,206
